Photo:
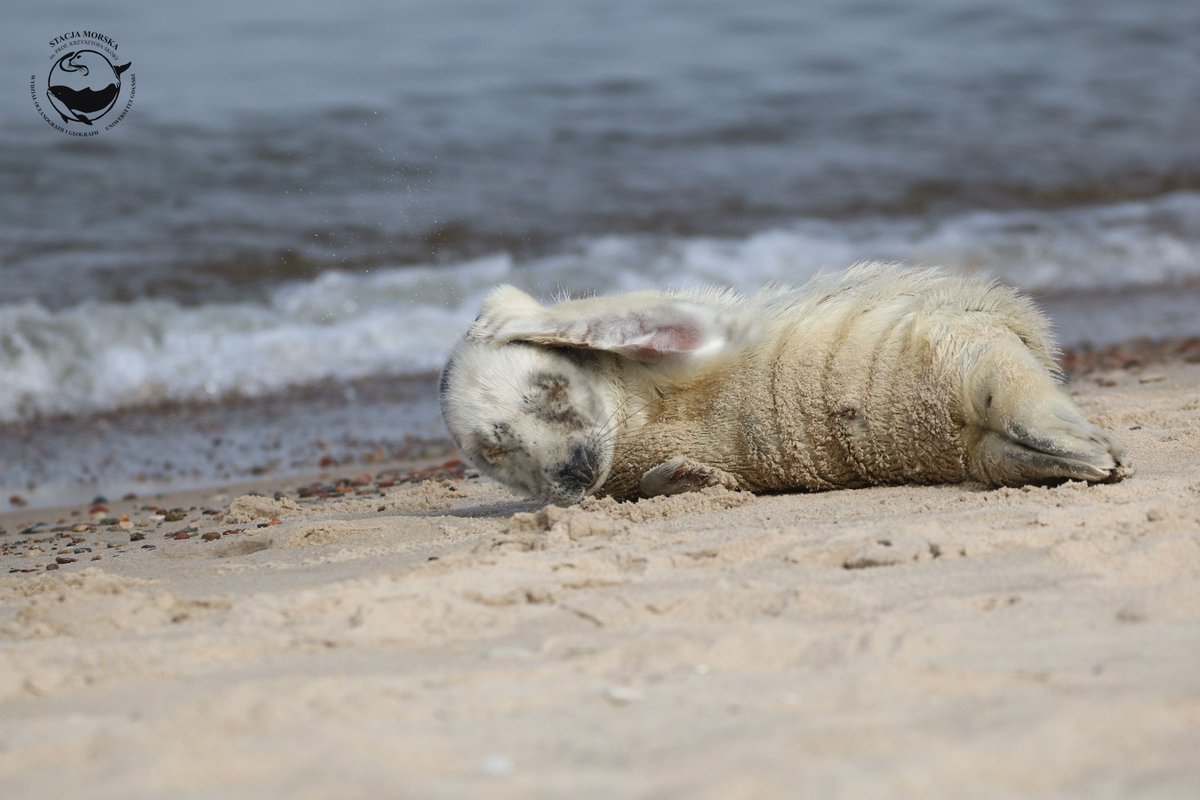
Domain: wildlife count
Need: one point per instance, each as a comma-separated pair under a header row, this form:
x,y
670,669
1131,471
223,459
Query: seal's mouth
x,y
586,471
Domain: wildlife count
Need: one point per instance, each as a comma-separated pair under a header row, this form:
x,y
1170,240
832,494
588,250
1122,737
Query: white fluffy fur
x,y
880,374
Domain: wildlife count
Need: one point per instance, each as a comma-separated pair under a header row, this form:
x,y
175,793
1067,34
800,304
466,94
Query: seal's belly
x,y
853,442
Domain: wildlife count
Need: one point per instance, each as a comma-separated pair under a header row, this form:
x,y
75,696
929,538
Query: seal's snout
x,y
569,483
580,471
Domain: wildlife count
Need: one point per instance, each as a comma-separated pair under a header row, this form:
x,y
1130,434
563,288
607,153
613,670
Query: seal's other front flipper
x,y
684,475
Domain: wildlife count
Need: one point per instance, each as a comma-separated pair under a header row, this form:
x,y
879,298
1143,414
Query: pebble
x,y
497,765
511,652
65,560
181,535
623,695
211,536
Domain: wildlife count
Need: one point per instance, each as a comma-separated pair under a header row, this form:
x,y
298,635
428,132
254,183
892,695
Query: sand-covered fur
x,y
878,375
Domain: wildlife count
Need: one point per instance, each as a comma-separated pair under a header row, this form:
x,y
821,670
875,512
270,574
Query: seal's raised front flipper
x,y
648,327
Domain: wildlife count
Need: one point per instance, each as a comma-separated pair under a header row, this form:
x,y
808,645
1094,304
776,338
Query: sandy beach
x,y
240,556
378,635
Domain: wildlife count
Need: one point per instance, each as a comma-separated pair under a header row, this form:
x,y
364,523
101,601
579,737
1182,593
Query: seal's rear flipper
x,y
1028,429
1008,462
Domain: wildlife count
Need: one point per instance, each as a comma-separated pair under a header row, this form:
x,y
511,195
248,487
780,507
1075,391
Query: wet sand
x,y
372,423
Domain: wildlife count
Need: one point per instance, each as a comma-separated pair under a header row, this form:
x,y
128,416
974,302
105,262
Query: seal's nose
x,y
580,471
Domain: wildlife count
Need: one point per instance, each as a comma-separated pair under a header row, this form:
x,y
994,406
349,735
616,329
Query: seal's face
x,y
530,417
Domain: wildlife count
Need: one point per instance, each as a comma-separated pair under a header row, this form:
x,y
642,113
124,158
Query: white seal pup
x,y
879,375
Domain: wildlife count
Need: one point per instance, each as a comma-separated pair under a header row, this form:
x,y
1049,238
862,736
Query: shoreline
x,y
1137,361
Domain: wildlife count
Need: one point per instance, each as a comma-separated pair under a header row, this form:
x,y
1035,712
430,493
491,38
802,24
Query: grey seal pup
x,y
878,375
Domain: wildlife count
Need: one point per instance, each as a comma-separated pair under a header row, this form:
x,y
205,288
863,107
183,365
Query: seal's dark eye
x,y
498,442
551,402
549,384
494,454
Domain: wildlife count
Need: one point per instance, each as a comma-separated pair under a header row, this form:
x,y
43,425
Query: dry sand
x,y
443,639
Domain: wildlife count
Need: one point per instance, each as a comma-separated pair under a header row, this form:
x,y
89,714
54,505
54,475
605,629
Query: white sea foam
x,y
344,325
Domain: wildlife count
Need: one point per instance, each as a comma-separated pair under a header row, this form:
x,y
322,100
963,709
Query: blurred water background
x,y
264,262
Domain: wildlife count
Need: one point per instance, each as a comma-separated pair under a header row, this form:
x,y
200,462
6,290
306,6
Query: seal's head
x,y
531,417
